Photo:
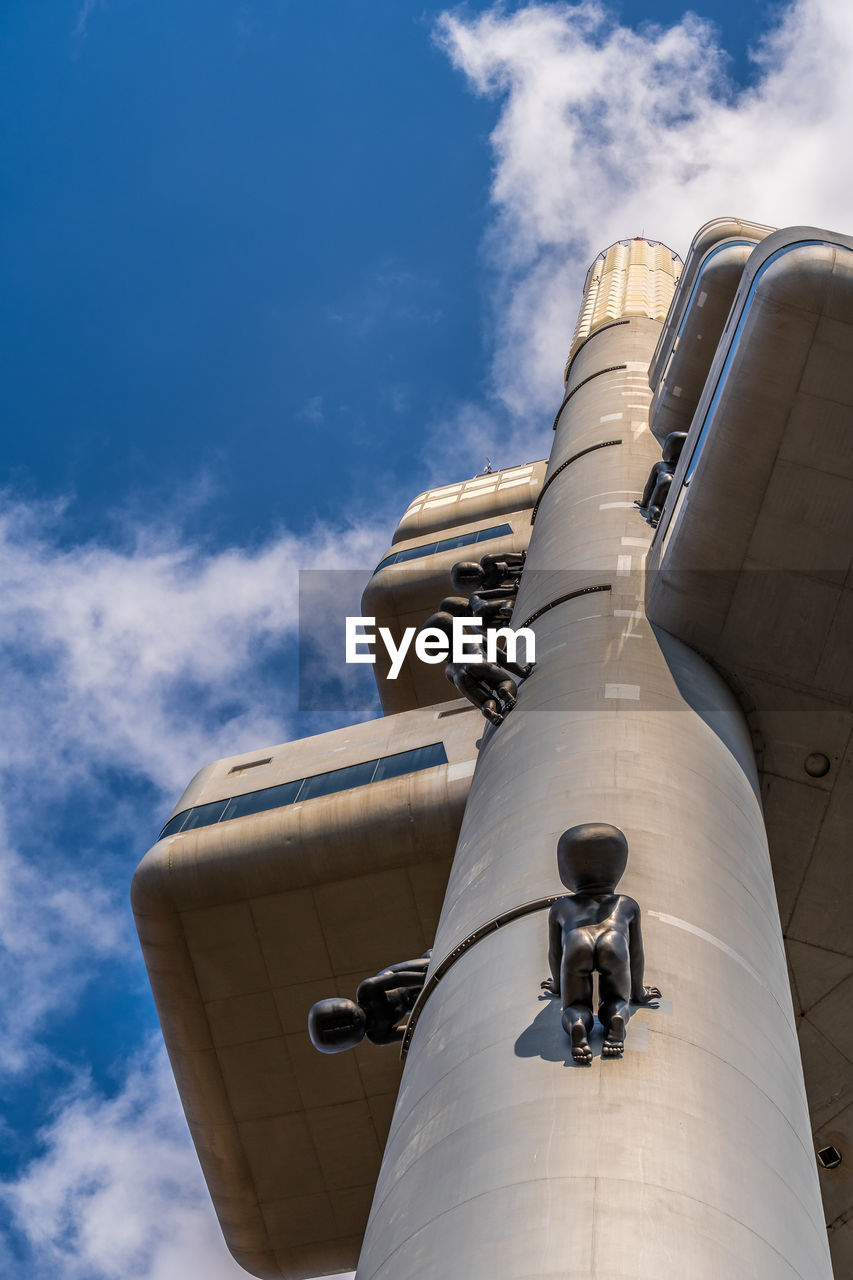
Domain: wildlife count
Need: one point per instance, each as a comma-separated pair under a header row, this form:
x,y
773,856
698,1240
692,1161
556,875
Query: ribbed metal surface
x,y
632,278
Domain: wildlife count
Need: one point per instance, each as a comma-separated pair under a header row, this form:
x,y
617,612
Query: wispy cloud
x,y
55,930
606,132
397,396
84,14
123,668
312,411
122,671
389,292
149,657
117,1193
460,440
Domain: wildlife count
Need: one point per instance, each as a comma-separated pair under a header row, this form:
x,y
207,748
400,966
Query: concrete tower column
x,y
692,1155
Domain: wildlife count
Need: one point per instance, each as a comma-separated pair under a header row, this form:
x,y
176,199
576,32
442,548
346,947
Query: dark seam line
x,y
605,444
589,337
492,926
611,368
572,595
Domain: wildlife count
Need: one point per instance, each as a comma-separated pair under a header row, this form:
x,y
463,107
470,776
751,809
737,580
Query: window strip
x,y
445,544
428,756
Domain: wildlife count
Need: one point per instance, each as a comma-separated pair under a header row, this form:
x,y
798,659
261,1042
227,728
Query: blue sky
x,y
268,270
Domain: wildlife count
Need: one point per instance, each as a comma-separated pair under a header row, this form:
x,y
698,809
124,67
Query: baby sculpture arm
x,y
551,986
410,973
492,573
486,686
639,993
503,570
657,469
494,608
660,478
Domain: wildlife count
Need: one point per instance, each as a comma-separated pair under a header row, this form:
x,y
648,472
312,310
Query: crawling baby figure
x,y
595,928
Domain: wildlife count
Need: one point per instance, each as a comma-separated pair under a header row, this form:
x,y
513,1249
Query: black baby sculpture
x,y
490,587
595,928
456,606
660,478
493,573
486,685
381,1004
443,621
493,608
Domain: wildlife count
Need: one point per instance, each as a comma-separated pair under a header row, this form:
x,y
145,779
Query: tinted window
x,y
414,553
410,761
204,815
464,540
447,544
325,784
174,824
259,801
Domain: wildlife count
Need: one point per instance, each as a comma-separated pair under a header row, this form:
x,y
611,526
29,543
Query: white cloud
x,y
84,13
54,930
121,669
460,442
312,411
148,658
117,1193
606,132
144,661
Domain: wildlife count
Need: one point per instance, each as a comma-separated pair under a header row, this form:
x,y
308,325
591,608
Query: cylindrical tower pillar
x,y
691,1155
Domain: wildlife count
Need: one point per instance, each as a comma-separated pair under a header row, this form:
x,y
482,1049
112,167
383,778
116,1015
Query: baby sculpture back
x,y
595,929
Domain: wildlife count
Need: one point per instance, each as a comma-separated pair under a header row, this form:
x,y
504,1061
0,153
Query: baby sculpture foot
x,y
581,1051
614,1040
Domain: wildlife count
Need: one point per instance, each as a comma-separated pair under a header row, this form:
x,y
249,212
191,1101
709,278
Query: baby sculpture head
x,y
672,446
336,1024
592,857
467,576
440,621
